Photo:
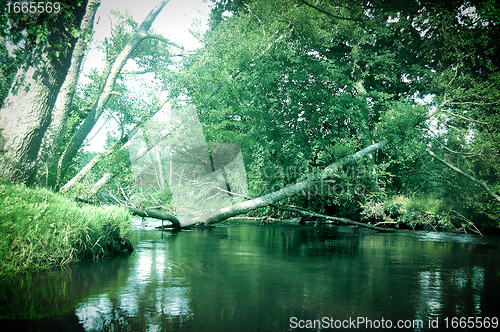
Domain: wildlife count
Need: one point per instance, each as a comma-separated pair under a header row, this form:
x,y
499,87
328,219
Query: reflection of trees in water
x,y
256,278
56,292
457,292
117,314
463,288
154,296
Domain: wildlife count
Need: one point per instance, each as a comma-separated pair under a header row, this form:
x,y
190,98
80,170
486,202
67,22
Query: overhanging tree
x,y
315,95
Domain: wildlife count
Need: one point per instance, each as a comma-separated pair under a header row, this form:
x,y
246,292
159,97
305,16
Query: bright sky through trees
x,y
174,22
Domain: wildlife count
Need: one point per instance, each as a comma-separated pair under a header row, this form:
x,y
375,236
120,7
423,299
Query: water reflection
x,y
430,295
252,278
155,290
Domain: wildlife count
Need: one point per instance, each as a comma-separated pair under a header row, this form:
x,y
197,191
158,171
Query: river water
x,y
246,277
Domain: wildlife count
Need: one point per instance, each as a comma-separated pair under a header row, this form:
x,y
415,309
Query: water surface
x,y
247,277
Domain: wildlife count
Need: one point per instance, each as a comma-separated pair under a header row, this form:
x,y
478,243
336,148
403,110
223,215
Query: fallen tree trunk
x,y
244,207
142,213
269,199
157,215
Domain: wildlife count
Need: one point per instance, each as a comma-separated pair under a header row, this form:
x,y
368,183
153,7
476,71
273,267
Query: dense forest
x,y
385,112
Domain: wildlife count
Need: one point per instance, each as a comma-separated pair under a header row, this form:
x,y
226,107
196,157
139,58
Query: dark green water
x,y
266,278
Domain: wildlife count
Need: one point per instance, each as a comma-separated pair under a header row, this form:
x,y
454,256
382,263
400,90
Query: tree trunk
x,y
115,147
244,207
105,93
470,177
27,110
157,215
51,141
92,163
98,185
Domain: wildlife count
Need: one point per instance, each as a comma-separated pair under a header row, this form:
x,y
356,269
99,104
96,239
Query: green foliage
x,y
40,229
301,90
42,28
416,212
152,55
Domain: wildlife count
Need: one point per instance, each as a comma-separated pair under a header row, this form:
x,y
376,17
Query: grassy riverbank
x,y
40,229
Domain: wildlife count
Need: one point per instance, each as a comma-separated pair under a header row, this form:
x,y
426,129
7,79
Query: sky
x,y
173,22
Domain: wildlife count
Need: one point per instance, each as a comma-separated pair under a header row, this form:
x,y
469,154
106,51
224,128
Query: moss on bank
x,y
40,229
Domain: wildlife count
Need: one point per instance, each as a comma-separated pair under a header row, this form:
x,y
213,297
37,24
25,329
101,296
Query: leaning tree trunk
x,y
105,94
108,176
51,141
244,207
26,111
115,147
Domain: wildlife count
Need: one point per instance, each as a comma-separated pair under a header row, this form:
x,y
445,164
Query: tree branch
x,y
463,117
330,14
163,39
470,177
337,219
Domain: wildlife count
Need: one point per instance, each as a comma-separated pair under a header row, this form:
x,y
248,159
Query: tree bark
x,y
157,215
51,140
26,112
98,185
470,177
244,207
105,94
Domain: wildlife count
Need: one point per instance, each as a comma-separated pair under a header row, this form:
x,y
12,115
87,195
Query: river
x,y
242,276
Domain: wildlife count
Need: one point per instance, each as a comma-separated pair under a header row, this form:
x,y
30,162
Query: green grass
x,y
40,229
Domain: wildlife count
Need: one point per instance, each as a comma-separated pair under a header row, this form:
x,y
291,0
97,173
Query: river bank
x,y
41,229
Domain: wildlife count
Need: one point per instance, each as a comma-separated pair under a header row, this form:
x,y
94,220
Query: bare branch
x,y
452,151
473,103
165,40
470,177
463,117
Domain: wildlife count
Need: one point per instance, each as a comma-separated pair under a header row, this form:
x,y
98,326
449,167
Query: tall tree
x,y
52,140
462,42
26,111
107,89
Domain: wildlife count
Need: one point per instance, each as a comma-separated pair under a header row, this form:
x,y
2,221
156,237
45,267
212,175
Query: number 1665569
x,y
33,7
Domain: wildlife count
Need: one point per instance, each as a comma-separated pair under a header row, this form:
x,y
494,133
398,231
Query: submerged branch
x,y
337,219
